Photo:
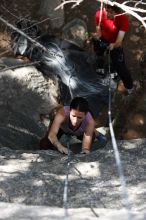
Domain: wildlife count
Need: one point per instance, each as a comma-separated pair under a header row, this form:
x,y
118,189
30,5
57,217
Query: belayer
x,y
111,26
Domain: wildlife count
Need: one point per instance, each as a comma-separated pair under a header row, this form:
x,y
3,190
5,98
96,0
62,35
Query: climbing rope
x,y
100,15
65,193
116,152
115,147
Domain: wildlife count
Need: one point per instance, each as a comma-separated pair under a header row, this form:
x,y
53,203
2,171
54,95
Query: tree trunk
x,y
47,8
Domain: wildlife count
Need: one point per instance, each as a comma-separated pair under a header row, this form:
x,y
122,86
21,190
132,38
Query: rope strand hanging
x,y
100,16
116,152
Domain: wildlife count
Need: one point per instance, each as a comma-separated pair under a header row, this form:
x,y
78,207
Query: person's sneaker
x,y
129,97
130,91
100,71
114,75
101,138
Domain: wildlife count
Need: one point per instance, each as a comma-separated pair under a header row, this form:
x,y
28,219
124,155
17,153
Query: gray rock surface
x,y
25,94
21,212
38,177
56,17
31,179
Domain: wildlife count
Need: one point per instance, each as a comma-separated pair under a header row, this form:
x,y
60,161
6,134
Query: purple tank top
x,y
65,125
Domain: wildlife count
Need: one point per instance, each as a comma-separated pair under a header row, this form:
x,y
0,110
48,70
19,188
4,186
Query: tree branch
x,y
19,66
134,11
37,44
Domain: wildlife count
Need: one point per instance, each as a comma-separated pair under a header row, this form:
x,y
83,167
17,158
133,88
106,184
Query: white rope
x,y
117,155
100,15
70,90
65,193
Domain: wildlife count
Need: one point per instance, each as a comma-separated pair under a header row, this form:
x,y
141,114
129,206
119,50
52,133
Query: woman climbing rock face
x,y
75,120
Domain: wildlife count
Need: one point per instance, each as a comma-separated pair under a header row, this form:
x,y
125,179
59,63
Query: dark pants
x,y
118,61
46,144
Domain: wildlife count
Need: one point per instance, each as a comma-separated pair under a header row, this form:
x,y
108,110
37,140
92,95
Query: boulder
x,y
25,95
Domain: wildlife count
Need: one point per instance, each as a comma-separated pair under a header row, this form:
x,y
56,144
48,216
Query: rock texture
x,y
31,181
38,178
55,17
25,95
21,212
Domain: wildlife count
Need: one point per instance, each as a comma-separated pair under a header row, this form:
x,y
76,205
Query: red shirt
x,y
110,28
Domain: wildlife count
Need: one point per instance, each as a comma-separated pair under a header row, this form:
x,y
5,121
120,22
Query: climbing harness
x,y
116,152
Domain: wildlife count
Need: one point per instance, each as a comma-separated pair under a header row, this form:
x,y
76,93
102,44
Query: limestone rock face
x,y
25,94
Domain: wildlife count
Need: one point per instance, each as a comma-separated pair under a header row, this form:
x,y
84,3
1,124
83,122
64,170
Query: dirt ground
x,y
130,115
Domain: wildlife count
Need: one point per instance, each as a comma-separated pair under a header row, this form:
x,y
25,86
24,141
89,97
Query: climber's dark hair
x,y
80,104
113,8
